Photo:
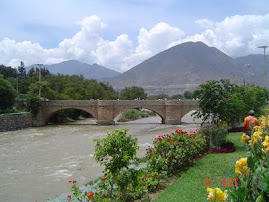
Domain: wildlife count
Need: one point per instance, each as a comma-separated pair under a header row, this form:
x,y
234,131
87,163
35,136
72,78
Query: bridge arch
x,y
52,111
121,109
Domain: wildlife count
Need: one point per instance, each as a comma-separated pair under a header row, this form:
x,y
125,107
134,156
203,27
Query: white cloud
x,y
235,35
151,42
205,23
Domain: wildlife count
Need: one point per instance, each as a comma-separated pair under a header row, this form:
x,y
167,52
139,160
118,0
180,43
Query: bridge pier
x,y
105,122
172,121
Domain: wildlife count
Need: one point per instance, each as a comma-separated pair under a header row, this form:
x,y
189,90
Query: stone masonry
x,y
15,121
105,111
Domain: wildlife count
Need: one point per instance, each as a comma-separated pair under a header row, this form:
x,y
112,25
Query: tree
x,y
21,70
226,102
33,104
132,93
188,95
214,96
8,72
115,153
177,96
7,94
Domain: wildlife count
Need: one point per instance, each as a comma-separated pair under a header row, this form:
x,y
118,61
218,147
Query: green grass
x,y
190,186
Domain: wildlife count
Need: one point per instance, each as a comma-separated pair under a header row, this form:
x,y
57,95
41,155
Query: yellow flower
x,y
266,145
216,195
241,167
245,138
256,137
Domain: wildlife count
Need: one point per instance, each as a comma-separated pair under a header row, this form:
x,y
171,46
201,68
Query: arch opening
x,y
138,115
188,118
71,116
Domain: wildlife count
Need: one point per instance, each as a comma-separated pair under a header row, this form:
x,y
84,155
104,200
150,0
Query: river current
x,y
36,163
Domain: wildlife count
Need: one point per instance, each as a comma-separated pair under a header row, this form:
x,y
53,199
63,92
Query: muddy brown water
x,y
36,163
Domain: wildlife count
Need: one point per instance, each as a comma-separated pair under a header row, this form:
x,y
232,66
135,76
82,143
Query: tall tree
x,y
21,70
7,94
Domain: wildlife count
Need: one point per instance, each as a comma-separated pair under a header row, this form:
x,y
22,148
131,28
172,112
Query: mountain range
x,y
180,68
74,67
175,70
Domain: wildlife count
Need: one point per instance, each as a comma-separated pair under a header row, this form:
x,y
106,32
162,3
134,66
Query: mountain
x,y
254,67
180,68
70,67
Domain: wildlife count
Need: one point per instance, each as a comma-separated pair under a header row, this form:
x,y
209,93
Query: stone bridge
x,y
105,111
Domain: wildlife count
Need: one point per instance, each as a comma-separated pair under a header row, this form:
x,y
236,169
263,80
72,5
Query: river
x,y
36,163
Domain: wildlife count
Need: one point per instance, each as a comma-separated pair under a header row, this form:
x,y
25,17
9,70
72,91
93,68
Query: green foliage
x,y
7,94
176,97
115,153
132,93
213,97
33,104
188,95
67,115
21,70
134,114
173,152
215,135
8,71
221,101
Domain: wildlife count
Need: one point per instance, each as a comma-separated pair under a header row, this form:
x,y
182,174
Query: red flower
x,y
70,181
69,196
145,177
90,195
105,174
103,179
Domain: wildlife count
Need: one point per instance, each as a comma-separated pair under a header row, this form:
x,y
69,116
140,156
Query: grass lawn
x,y
190,186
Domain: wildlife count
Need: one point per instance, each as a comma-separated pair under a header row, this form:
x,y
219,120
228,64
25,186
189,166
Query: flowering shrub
x,y
253,171
173,151
123,182
216,195
77,195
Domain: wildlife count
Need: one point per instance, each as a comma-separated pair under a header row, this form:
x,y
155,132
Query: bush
x,y
172,152
115,153
134,114
215,135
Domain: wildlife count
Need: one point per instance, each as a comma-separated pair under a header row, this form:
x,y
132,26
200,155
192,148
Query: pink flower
x,y
69,196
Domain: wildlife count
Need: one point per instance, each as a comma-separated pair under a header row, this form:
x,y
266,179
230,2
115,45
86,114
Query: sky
x,y
120,34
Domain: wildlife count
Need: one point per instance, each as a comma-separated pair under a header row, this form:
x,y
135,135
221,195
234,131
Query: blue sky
x,y
119,34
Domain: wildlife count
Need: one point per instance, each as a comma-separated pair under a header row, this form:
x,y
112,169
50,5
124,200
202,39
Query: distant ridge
x,y
254,67
182,67
75,67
